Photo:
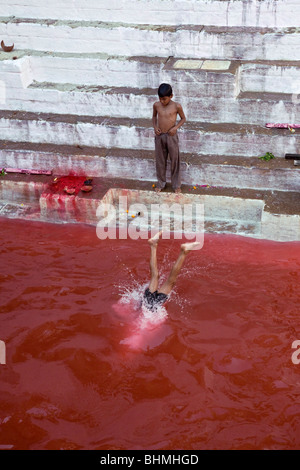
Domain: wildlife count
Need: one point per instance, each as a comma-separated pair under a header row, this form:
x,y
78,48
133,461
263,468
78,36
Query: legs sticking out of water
x,y
170,282
153,242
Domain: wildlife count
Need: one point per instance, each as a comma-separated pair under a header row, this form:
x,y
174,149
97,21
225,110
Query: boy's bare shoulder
x,y
178,105
156,107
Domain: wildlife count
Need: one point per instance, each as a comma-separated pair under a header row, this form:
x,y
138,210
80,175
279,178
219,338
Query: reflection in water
x,y
86,367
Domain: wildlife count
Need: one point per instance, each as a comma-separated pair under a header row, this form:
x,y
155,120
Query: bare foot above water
x,y
186,247
154,240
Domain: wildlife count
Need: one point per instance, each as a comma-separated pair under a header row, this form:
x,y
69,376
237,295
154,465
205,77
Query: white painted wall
x,y
90,52
262,78
279,13
139,106
245,44
131,135
205,96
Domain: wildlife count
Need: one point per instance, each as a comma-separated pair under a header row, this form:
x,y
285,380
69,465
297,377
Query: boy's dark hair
x,y
164,90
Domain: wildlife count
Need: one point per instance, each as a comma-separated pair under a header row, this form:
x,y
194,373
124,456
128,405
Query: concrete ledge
x,y
281,227
244,213
22,190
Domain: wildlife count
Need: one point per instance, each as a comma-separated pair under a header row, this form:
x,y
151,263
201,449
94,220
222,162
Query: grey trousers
x,y
165,145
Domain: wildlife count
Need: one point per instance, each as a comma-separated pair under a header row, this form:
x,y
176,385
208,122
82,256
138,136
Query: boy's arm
x,y
174,129
154,120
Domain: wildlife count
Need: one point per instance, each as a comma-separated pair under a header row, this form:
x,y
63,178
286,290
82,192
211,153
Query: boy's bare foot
x,y
178,191
157,190
154,240
186,247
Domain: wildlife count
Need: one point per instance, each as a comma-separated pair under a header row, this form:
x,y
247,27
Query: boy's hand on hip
x,y
172,131
157,130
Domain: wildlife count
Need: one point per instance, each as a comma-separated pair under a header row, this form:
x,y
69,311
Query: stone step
x,y
208,171
210,42
137,72
190,78
271,215
14,210
137,103
146,72
218,12
264,80
208,93
226,139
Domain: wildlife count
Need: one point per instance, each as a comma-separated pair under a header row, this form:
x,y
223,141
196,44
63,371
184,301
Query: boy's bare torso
x,y
166,115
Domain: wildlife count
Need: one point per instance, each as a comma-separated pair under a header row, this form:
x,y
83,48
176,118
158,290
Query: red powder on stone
x,y
70,182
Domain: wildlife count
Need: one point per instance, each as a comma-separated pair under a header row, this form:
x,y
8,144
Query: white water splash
x,y
144,328
149,328
146,318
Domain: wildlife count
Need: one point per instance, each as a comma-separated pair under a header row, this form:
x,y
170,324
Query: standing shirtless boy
x,y
166,139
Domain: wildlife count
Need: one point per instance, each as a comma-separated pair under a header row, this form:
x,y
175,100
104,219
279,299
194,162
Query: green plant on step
x,y
2,172
267,156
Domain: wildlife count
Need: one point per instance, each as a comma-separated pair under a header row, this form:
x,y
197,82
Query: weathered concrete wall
x,y
209,42
222,214
234,66
279,13
44,84
120,133
129,167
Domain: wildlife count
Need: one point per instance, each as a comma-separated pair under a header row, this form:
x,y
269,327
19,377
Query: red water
x,y
85,369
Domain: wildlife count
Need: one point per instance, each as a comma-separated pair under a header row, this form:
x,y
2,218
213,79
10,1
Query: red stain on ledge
x,y
72,183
